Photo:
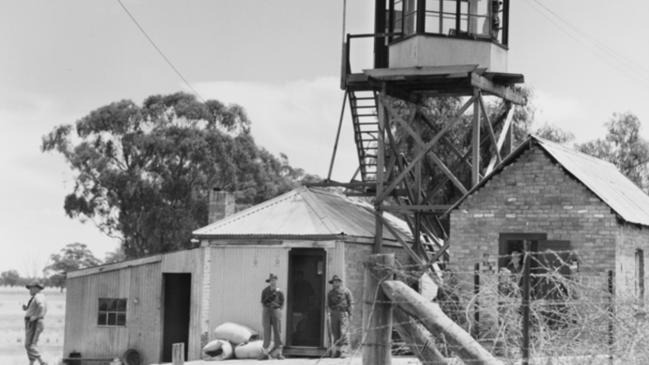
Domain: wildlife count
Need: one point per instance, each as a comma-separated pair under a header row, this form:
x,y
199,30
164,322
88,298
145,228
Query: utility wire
x,y
174,68
610,56
594,40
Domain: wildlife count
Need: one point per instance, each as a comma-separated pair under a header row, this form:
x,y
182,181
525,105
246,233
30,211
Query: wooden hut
x,y
304,237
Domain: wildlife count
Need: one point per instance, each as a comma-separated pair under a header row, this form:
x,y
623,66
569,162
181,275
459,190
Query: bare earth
x,y
324,361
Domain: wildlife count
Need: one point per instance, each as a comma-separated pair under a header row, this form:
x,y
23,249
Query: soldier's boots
x,y
277,354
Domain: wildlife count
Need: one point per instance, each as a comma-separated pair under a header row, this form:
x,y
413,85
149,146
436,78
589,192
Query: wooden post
x,y
178,353
525,347
420,341
433,318
508,146
475,144
377,311
476,290
380,167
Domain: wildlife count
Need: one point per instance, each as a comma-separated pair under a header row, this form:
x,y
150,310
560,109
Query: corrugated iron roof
x,y
601,177
304,212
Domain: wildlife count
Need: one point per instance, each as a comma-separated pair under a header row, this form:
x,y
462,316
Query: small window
x,y
112,312
639,275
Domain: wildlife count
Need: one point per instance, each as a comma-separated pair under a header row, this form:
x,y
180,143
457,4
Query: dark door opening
x,y
552,263
306,298
175,324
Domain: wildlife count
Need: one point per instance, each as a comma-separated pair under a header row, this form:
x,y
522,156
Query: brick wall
x,y
630,239
356,255
533,195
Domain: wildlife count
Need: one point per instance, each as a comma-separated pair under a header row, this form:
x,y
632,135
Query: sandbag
x,y
250,350
218,350
235,333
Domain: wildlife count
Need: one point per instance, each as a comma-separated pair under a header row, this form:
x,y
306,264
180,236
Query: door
x,y
306,298
176,301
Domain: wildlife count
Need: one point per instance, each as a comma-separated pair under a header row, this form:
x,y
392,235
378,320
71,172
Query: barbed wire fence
x,y
571,316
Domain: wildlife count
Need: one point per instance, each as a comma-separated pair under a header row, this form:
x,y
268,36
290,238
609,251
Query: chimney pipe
x,y
220,205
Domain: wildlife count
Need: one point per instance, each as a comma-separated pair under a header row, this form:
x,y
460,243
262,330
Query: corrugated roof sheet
x,y
604,180
304,212
601,177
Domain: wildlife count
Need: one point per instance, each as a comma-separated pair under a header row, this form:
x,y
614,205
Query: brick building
x,y
304,237
562,200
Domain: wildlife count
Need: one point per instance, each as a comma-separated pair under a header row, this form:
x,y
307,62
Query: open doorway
x,y
176,301
306,299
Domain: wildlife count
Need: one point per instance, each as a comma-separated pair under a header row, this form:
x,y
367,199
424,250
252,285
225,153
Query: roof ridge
x,y
311,201
248,211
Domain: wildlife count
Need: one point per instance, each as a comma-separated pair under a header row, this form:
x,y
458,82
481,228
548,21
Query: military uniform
x,y
272,301
339,302
35,311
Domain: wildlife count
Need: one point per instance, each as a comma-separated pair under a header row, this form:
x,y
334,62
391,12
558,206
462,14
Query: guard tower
x,y
425,50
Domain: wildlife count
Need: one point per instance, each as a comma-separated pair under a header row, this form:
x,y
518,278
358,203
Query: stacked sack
x,y
233,340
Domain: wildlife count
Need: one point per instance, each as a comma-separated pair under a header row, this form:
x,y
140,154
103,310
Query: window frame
x,y
114,308
396,20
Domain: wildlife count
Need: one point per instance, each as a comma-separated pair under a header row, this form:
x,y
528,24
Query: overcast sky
x,y
280,59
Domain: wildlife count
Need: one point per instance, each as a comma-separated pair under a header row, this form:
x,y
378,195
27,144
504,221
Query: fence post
x,y
525,349
611,314
377,311
476,290
178,353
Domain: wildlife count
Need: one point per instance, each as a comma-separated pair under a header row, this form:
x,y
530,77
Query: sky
x,y
280,59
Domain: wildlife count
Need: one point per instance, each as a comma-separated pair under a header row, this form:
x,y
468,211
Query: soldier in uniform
x,y
272,300
339,303
35,311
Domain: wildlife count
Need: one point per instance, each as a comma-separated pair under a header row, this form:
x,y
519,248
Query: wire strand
x,y
164,57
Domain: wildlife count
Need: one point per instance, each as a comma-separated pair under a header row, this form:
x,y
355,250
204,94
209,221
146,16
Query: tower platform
x,y
458,80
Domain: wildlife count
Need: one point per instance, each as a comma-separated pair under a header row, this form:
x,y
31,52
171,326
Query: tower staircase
x,y
363,106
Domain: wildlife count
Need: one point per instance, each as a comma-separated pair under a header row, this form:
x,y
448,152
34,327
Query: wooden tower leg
x,y
475,145
380,175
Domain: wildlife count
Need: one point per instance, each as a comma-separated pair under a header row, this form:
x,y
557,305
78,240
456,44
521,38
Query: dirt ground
x,y
289,361
12,331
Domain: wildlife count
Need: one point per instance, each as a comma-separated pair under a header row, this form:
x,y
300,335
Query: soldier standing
x,y
272,300
339,302
35,311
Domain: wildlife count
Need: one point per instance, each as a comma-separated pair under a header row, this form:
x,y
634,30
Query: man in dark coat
x,y
272,300
339,303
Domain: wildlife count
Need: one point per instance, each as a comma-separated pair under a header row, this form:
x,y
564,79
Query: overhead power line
x,y
621,63
593,39
167,60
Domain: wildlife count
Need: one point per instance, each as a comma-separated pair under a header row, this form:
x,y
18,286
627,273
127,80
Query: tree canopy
x,y
73,256
10,278
555,134
623,147
143,173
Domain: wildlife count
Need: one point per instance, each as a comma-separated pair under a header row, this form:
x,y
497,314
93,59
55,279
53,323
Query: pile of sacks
x,y
233,341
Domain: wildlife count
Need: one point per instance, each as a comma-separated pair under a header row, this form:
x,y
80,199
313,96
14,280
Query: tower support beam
x,y
475,141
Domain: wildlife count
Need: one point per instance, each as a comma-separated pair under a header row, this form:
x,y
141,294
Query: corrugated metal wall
x,y
142,317
142,286
238,277
238,274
